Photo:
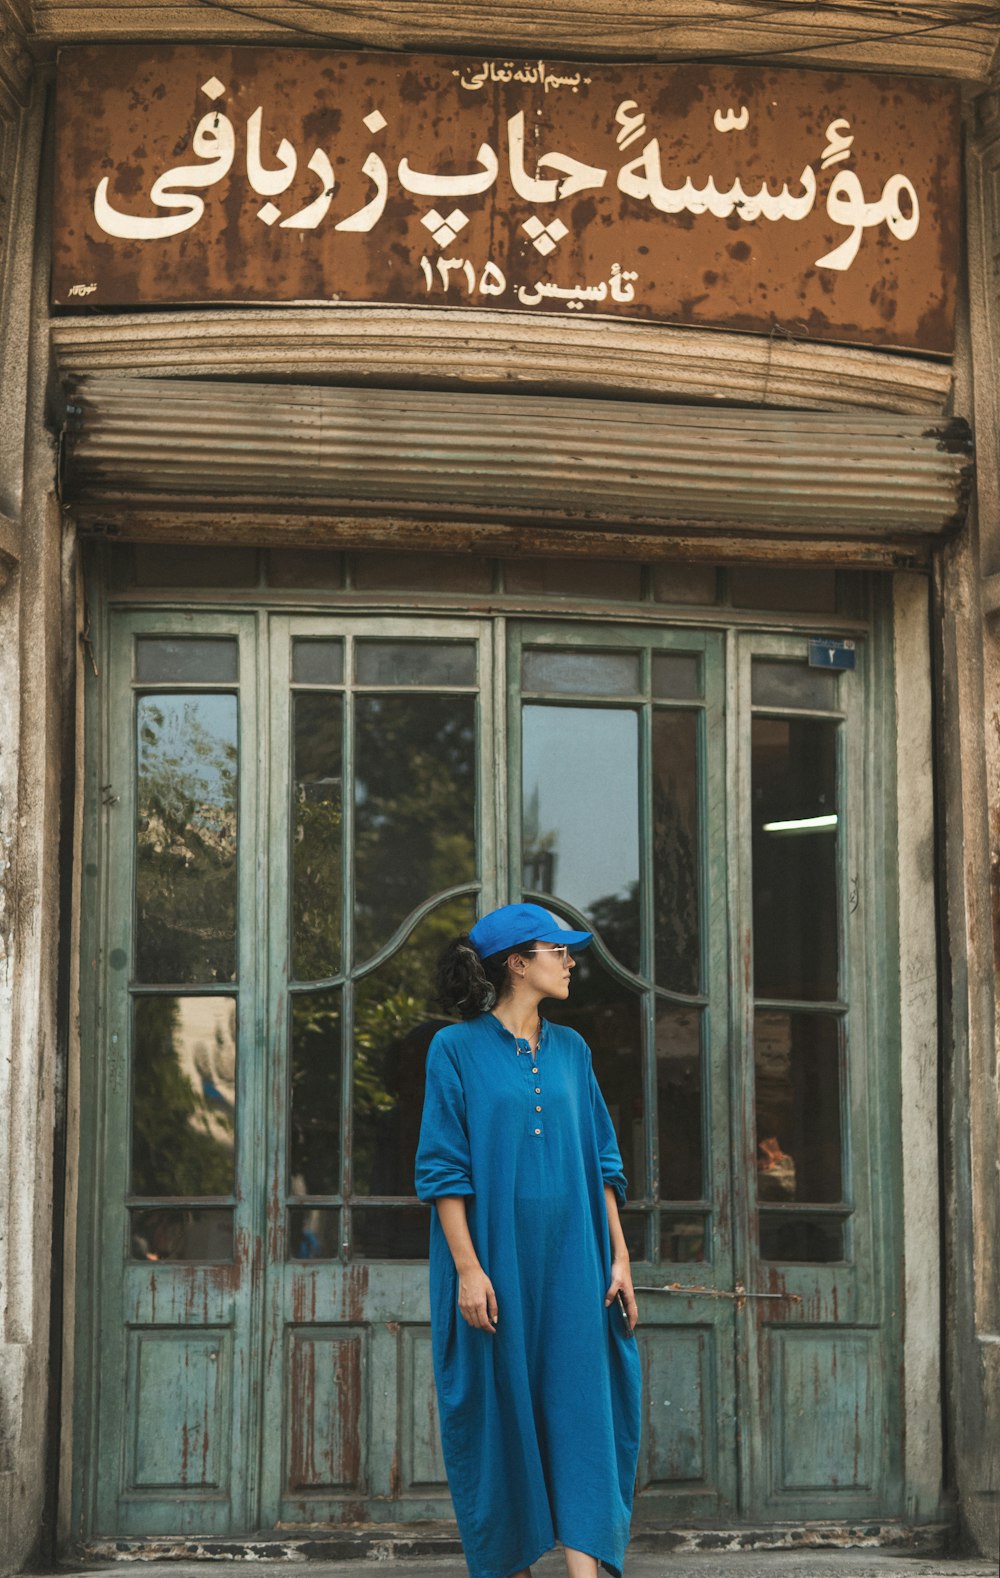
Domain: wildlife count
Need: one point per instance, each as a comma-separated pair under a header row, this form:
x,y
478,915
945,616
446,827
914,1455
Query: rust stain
x,y
511,231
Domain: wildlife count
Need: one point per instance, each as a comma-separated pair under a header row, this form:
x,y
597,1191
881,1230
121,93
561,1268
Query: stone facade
x,y
40,650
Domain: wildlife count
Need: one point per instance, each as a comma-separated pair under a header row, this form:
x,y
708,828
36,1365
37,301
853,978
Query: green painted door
x,y
287,816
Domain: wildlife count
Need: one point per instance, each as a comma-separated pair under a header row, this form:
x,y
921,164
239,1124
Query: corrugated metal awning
x,y
193,445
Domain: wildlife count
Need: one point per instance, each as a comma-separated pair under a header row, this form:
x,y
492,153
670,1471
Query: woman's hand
x,y
621,1282
477,1302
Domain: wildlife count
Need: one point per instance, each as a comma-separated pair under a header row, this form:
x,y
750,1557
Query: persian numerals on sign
x,y
820,204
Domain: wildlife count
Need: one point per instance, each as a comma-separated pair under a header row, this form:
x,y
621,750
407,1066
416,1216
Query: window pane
x,y
313,1233
777,684
581,673
394,1019
314,1097
609,1018
318,822
682,1238
798,1101
677,676
183,1096
580,816
675,849
415,807
604,579
186,796
679,1102
177,659
317,662
795,893
416,662
174,1234
634,1226
390,1232
801,1239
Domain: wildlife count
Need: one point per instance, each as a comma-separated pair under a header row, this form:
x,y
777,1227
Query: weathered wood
x,y
490,350
401,533
954,41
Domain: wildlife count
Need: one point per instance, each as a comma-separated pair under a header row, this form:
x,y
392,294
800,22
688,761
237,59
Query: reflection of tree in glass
x,y
186,838
314,1158
317,859
176,1131
415,807
675,885
395,1018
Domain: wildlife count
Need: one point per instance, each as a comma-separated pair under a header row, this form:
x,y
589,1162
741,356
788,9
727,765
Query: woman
x,y
532,1306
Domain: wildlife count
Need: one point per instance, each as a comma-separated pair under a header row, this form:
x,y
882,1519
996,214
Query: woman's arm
x,y
621,1273
477,1302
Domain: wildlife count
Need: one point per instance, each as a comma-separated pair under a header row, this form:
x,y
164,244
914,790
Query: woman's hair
x,y
468,985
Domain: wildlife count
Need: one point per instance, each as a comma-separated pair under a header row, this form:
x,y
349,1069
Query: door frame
x,y
903,1009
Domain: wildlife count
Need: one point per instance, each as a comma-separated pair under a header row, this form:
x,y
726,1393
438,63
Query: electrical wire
x,y
945,20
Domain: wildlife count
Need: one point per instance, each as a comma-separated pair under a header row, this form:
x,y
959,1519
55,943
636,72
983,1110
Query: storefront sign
x,y
804,203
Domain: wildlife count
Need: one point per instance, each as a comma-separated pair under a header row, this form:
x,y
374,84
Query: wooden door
x,y
287,816
382,846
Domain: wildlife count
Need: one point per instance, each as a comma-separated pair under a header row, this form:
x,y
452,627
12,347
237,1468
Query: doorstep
x,y
872,1550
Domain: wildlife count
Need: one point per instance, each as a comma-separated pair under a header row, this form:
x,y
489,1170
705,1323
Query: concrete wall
x,y
969,752
32,684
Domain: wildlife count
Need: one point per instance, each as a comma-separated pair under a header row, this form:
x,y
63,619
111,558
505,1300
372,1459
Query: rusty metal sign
x,y
809,203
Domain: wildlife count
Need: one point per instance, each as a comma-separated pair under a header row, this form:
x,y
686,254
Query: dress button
x,y
538,1131
538,1109
534,1071
538,1090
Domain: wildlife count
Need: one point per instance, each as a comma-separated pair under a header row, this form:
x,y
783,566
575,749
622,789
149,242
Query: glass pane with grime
x,y
415,662
414,807
183,1130
317,834
178,660
580,816
578,673
175,1233
186,838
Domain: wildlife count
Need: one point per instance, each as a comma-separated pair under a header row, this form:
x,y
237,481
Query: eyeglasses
x,y
562,950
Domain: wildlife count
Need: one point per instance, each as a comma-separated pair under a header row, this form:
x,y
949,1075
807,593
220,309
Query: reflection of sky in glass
x,y
581,799
186,744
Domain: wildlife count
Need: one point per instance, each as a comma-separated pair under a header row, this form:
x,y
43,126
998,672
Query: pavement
x,y
644,1564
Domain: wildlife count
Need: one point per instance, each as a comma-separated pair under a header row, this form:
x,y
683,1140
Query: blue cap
x,y
517,923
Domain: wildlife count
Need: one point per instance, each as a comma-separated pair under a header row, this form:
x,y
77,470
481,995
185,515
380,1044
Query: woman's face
x,y
547,968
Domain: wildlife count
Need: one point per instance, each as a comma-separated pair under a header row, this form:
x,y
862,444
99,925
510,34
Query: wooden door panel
x,y
326,1417
825,1399
179,1402
421,1465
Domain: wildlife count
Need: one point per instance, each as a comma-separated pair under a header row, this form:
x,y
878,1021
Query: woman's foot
x,y
579,1565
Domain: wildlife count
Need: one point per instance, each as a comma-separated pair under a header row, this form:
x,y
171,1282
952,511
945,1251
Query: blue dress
x,y
540,1419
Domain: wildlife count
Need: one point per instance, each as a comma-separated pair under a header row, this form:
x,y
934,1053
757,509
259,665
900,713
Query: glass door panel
x,y
382,848
817,1339
617,773
176,1080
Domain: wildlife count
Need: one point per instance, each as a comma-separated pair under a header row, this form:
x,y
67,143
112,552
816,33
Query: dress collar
x,y
508,1036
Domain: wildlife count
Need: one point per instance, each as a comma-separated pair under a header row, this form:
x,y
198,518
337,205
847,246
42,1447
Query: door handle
x,y
738,1293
